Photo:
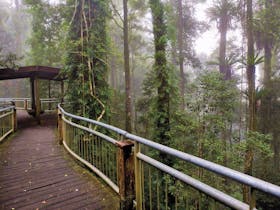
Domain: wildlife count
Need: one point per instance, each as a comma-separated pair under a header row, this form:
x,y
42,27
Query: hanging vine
x,y
89,40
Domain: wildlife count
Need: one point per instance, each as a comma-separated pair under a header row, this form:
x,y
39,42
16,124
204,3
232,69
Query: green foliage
x,y
192,27
46,33
86,60
266,24
8,61
260,143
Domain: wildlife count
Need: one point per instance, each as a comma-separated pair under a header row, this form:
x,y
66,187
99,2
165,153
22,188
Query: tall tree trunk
x,y
128,104
223,42
248,163
266,124
181,56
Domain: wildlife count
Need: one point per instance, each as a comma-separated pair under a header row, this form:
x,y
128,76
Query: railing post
x,y
59,126
25,104
252,198
14,119
138,172
126,174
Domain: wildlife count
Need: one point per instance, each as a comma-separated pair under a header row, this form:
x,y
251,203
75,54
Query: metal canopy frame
x,y
34,73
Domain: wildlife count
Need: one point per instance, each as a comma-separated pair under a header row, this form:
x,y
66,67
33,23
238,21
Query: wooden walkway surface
x,y
36,173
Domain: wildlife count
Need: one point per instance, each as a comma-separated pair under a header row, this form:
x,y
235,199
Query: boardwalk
x,y
36,173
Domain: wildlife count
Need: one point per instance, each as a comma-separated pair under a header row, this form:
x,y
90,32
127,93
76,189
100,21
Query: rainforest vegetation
x,y
200,76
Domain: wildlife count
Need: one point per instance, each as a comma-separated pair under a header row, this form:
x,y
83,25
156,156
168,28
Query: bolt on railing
x,y
139,178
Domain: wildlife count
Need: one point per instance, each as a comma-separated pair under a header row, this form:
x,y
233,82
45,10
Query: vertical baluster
x,y
176,201
150,188
96,151
83,138
199,201
158,194
138,182
102,154
187,203
113,171
93,150
62,129
111,163
166,192
72,142
90,148
252,198
14,119
99,153
143,184
76,142
106,159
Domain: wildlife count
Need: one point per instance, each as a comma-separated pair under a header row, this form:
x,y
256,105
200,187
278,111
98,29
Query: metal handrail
x,y
6,108
7,121
253,182
26,102
106,138
92,167
219,169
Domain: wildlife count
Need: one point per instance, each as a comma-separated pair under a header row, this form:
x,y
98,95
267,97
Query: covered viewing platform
x,y
34,73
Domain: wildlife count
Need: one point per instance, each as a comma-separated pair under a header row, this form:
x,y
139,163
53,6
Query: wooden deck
x,y
36,173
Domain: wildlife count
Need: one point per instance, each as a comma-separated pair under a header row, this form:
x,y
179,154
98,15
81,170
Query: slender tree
x,y
181,55
128,99
250,70
268,30
223,12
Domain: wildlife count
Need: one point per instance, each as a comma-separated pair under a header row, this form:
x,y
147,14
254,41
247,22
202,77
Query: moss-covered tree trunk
x,y
162,75
86,67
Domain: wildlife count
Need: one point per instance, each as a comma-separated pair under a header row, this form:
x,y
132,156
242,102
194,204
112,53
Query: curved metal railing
x,y
111,160
7,121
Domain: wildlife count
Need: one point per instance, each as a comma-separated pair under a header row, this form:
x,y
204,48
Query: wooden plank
x,y
35,172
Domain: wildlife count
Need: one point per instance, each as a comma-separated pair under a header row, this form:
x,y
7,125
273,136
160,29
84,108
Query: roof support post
x,y
33,105
62,91
35,98
37,101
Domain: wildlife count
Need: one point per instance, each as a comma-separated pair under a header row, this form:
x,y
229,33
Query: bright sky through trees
x,y
208,41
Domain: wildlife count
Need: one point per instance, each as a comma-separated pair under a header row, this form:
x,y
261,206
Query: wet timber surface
x,y
37,173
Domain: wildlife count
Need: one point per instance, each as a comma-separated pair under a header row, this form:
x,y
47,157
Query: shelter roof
x,y
40,72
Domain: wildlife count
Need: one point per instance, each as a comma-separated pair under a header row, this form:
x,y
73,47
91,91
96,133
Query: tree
x,y
250,70
85,65
182,30
223,12
46,33
267,37
162,75
128,99
181,56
